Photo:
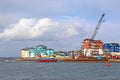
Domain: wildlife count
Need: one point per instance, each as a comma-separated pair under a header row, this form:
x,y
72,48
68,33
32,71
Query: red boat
x,y
46,60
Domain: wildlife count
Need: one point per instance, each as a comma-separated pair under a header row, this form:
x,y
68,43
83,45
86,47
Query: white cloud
x,y
44,29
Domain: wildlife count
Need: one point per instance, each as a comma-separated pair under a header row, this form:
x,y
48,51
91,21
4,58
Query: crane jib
x,y
97,27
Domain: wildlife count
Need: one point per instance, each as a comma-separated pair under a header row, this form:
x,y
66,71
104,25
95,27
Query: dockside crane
x,y
87,52
97,27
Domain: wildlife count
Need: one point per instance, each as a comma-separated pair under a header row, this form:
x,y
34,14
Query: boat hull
x,y
86,60
46,60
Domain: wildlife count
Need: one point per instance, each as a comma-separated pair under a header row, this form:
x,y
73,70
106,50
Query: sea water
x,y
58,71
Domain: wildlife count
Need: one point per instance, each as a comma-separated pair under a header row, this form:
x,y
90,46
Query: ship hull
x,y
46,60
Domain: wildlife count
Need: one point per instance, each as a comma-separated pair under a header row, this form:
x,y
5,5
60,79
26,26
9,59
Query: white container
x,y
24,53
87,52
101,51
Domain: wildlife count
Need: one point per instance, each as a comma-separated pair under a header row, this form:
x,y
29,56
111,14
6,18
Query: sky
x,y
58,24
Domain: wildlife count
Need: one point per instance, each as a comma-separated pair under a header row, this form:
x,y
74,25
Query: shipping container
x,y
88,43
24,53
50,52
107,51
36,51
32,52
114,47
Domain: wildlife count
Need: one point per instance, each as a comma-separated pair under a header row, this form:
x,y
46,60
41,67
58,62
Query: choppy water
x,y
58,71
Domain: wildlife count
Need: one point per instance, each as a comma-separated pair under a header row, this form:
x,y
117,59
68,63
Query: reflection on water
x,y
58,71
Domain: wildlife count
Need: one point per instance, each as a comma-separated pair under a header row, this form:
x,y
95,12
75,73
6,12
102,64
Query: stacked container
x,y
86,44
98,44
32,52
24,53
50,52
40,49
92,47
36,51
113,47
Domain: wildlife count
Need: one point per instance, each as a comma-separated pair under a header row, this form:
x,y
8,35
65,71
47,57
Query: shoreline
x,y
82,60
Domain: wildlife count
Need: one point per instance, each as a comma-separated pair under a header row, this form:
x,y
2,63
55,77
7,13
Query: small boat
x,y
46,60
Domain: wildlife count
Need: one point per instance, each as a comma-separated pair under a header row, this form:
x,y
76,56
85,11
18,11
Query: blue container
x,y
114,47
50,51
99,57
114,50
107,45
